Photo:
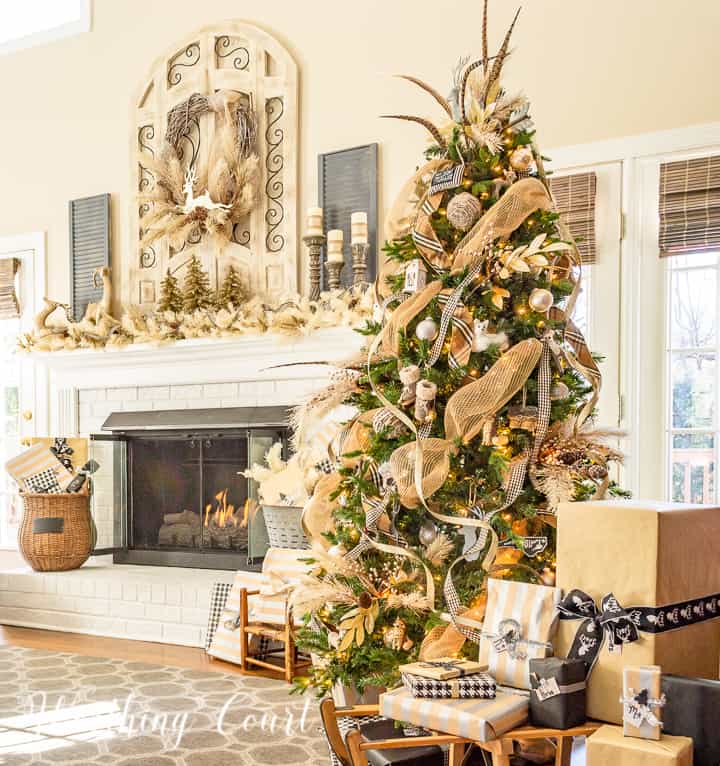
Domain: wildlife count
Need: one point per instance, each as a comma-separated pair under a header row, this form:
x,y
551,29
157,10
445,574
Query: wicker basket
x,y
56,532
284,527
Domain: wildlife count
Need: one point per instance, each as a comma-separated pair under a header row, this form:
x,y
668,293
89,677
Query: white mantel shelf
x,y
253,357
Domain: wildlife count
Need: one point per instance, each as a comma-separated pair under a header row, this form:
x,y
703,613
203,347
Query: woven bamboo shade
x,y
689,206
574,197
9,305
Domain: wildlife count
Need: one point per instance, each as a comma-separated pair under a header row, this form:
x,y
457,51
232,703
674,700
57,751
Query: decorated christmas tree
x,y
474,402
196,287
171,298
232,292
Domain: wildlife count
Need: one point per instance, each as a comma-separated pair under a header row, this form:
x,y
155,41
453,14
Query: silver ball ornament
x,y
463,210
541,300
428,532
521,159
427,329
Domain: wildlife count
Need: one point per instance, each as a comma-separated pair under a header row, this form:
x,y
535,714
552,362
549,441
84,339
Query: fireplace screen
x,y
190,493
175,484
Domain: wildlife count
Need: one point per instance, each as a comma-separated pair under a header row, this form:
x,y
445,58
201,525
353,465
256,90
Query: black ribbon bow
x,y
611,622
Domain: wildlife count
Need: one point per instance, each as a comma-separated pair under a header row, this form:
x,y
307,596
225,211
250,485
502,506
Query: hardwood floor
x,y
116,648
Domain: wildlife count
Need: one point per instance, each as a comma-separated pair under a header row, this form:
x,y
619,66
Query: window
x,y
9,429
34,22
692,350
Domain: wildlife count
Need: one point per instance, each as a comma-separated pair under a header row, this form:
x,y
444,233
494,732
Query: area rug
x,y
71,709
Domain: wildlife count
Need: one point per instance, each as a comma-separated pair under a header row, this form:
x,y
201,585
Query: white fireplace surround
x,y
163,604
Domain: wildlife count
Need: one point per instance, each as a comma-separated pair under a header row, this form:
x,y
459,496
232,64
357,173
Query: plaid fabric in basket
x,y
474,686
45,482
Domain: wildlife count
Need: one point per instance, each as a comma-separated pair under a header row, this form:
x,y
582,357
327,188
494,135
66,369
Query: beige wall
x,y
592,69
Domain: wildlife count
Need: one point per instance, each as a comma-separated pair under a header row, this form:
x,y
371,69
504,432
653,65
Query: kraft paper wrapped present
x,y
520,622
481,720
642,585
557,699
73,451
642,701
609,747
443,668
692,709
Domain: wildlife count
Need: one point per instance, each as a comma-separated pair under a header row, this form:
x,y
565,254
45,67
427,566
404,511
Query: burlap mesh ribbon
x,y
519,201
470,406
434,468
357,438
404,314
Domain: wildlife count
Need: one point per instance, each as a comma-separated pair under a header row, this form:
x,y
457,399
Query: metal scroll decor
x,y
274,164
183,60
238,56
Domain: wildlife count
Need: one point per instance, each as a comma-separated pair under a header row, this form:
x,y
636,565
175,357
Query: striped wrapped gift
x,y
35,460
520,621
481,720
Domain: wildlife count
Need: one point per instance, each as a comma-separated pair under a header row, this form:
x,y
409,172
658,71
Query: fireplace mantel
x,y
257,358
197,360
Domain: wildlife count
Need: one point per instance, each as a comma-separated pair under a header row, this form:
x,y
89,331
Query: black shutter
x,y
348,184
89,248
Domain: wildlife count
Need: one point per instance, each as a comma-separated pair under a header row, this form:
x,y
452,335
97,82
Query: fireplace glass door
x,y
188,492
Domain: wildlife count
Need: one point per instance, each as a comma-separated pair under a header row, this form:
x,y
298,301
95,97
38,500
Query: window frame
x,y
44,36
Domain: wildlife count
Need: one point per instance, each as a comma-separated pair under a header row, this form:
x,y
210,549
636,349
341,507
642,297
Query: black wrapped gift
x,y
557,699
692,710
429,755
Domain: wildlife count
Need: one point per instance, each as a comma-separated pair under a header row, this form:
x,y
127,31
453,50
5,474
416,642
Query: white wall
x,y
593,70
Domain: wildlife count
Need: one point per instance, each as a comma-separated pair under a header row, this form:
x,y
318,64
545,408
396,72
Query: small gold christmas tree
x,y
171,298
233,291
196,288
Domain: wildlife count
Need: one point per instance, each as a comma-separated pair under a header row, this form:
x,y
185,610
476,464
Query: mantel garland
x,y
213,200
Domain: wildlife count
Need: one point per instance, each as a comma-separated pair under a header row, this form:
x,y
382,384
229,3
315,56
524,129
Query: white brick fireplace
x,y
166,604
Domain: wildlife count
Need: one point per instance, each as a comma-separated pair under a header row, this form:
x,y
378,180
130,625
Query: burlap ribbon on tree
x,y
404,314
470,406
514,206
434,467
357,439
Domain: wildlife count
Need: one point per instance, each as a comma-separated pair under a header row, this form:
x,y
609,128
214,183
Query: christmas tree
x,y
232,292
171,298
474,402
196,287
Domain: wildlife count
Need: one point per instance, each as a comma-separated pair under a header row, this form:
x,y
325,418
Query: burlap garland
x,y
470,406
522,199
404,314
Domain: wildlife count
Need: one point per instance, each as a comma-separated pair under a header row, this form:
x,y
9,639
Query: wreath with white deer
x,y
210,201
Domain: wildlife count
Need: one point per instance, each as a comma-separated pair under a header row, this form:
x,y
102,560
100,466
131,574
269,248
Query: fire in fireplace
x,y
181,493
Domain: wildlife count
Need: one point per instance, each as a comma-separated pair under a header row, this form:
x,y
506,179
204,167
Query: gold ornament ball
x,y
541,300
521,159
463,210
427,329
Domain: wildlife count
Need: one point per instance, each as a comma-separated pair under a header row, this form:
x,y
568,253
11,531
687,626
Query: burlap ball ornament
x,y
463,210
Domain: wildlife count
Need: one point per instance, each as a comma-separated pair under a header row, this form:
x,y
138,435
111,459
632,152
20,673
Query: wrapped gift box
x,y
428,755
443,668
641,701
608,746
473,686
520,622
557,699
692,709
659,561
481,719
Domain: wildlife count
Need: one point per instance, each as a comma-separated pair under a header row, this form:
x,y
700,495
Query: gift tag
x,y
633,714
534,546
547,688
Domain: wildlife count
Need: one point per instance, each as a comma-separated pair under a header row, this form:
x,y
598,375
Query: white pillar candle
x,y
358,228
314,222
335,246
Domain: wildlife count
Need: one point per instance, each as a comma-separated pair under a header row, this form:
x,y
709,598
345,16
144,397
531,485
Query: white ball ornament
x,y
521,159
427,329
463,210
337,551
541,300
